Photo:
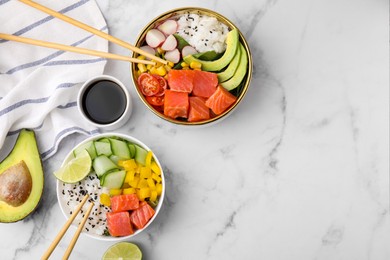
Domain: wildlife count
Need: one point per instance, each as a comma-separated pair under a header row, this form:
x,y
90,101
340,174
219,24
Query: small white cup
x,y
105,126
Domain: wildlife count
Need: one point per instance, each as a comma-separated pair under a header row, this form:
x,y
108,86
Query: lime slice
x,y
76,169
123,250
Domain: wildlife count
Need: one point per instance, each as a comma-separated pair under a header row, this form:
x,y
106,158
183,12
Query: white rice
x,y
203,32
73,195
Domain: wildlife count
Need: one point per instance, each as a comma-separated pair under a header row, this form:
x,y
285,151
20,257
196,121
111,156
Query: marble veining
x,y
300,170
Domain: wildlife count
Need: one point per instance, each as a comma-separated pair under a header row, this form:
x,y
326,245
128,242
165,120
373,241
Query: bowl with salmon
x,y
121,182
207,68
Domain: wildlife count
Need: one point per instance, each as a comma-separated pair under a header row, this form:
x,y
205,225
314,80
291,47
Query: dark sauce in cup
x,y
104,102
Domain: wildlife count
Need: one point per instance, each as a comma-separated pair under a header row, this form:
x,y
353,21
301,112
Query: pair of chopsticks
x,y
88,28
57,239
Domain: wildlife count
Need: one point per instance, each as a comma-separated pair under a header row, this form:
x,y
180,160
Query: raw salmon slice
x,y
181,80
204,84
220,100
141,216
124,202
176,104
198,110
119,224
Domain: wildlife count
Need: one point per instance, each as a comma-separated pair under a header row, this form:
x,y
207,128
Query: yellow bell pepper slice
x,y
145,173
155,168
129,191
105,199
148,159
142,184
114,192
129,176
134,183
156,177
159,189
151,183
153,195
143,193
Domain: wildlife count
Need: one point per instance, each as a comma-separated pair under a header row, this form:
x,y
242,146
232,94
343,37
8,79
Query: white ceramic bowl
x,y
126,113
65,209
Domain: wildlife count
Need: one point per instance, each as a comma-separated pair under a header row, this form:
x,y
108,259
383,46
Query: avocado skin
x,y
25,149
232,42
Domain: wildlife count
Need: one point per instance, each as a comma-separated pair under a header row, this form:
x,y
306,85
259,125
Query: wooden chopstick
x,y
72,49
60,234
77,234
92,30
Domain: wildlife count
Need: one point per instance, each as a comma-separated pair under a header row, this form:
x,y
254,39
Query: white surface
x,y
299,171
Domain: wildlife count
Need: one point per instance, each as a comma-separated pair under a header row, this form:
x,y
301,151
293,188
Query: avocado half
x,y
21,179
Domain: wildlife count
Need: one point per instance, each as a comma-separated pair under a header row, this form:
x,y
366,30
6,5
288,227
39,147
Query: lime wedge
x,y
123,250
76,169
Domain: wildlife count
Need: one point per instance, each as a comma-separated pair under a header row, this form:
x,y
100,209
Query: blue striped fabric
x,y
52,56
46,19
39,86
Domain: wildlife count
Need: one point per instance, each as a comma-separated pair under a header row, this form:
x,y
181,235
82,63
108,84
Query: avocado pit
x,y
15,184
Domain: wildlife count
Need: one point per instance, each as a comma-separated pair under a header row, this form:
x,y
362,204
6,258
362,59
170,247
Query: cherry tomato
x,y
163,85
148,84
155,101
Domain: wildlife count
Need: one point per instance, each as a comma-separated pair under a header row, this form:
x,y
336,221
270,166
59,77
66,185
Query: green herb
x,y
180,42
208,55
106,233
178,65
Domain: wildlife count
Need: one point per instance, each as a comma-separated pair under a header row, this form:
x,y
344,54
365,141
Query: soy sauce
x,y
104,102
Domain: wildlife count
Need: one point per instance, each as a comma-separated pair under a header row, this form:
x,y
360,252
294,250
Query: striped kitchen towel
x,y
39,86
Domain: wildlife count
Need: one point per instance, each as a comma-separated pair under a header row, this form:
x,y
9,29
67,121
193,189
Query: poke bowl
x,y
208,70
125,183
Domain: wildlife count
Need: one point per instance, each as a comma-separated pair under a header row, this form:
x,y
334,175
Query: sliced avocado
x,y
232,42
21,179
240,73
231,69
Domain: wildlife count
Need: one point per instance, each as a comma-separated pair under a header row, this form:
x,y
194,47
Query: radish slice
x,y
173,56
170,43
188,50
168,27
148,49
154,38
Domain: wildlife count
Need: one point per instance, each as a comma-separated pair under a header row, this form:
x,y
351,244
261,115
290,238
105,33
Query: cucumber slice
x,y
132,150
114,180
103,148
115,158
103,164
120,148
140,154
89,146
105,140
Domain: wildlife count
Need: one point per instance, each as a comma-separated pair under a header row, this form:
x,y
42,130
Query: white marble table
x,y
299,171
